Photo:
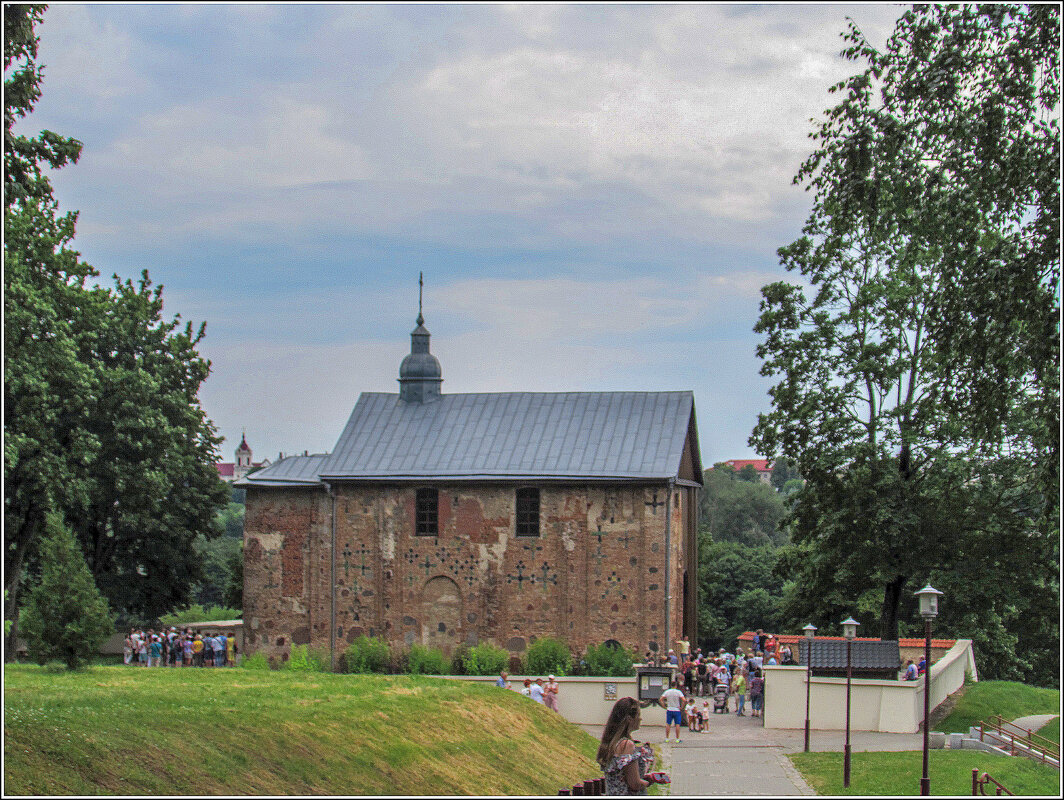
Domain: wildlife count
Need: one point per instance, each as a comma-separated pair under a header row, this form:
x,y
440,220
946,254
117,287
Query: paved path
x,y
737,750
1034,722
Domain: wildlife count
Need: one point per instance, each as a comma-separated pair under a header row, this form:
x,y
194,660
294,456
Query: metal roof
x,y
293,471
618,435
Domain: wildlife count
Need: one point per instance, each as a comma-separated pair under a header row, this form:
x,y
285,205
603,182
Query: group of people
x,y
543,693
174,648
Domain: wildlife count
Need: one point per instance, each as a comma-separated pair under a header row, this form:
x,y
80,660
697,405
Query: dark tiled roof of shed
x,y
635,435
831,654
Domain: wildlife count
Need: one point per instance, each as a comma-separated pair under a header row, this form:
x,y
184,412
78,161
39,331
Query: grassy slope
x,y
950,772
984,699
126,730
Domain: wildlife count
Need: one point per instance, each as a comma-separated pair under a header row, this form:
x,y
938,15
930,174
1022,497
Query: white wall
x,y
583,700
876,705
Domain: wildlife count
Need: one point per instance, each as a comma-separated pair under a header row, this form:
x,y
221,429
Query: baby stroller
x,y
720,699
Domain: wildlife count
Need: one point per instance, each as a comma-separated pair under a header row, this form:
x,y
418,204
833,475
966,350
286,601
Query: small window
x,y
427,513
527,512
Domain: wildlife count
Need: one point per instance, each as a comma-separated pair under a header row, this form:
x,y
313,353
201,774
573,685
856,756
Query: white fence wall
x,y
876,705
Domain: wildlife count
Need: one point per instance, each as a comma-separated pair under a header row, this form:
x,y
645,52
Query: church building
x,y
442,519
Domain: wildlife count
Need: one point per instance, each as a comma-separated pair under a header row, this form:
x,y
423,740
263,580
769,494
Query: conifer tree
x,y
65,616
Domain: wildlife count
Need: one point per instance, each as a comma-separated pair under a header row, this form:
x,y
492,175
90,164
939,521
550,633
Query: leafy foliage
x,y
303,659
367,654
484,659
917,389
608,661
737,590
423,660
256,661
736,510
548,656
64,617
102,422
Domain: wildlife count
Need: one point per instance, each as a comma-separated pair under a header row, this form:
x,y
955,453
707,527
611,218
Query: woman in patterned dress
x,y
625,762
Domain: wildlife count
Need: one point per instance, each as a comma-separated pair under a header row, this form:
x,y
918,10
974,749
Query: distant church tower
x,y
420,375
243,458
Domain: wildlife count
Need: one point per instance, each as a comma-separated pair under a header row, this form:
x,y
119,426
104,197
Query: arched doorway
x,y
441,613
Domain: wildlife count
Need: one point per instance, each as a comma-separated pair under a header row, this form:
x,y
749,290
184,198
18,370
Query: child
x,y
692,716
704,714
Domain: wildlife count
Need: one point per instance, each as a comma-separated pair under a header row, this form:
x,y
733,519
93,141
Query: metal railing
x,y
1031,744
593,787
980,785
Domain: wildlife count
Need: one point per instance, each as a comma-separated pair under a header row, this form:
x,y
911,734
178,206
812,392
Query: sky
x,y
594,193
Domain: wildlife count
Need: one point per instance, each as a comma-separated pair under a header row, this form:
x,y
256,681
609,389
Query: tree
x,y
65,616
45,385
101,417
153,488
783,472
922,364
736,510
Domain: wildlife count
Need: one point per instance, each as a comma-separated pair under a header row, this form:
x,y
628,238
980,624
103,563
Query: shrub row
x,y
370,654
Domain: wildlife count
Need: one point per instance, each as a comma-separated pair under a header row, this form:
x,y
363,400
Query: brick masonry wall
x,y
596,571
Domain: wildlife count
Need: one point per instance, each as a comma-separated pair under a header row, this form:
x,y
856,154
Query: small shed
x,y
868,659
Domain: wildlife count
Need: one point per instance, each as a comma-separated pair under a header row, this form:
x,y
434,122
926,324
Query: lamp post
x,y
928,610
810,632
849,630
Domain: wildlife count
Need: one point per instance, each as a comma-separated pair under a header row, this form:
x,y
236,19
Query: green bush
x,y
426,661
302,659
548,656
458,656
256,660
367,654
484,659
608,661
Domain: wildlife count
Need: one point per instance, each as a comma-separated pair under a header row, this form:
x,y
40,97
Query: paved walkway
x,y
1034,722
739,757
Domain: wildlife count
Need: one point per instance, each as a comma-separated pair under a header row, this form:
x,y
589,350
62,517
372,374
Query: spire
x,y
420,375
420,288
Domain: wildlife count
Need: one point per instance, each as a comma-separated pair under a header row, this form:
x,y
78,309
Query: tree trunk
x,y
11,587
888,618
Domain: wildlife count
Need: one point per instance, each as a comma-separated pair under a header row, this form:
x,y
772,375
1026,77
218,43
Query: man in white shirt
x,y
536,691
672,700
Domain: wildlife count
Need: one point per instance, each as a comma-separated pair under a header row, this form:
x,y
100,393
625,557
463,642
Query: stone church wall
x,y
595,572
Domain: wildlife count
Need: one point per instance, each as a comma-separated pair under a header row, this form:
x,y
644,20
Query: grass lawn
x,y
984,699
128,730
950,772
1051,730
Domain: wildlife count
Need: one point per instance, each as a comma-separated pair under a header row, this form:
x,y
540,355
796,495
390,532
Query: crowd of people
x,y
545,694
174,648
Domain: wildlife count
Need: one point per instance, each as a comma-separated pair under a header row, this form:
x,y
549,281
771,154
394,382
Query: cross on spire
x,y
420,288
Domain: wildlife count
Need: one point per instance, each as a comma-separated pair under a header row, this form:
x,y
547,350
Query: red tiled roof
x,y
760,464
790,638
226,469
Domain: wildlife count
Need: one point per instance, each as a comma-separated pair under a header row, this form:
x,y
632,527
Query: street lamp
x,y
928,610
810,632
849,630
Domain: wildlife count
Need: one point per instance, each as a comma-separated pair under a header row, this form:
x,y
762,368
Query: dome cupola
x,y
420,375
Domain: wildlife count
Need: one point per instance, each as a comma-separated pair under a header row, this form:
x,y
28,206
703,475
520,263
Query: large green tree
x,y
102,421
45,385
918,363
